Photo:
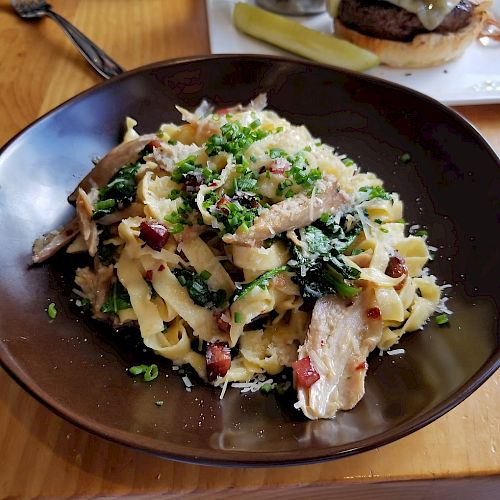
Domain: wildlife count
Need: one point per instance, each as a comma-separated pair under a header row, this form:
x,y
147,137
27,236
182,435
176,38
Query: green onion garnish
x,y
266,388
151,373
205,275
237,317
52,311
442,319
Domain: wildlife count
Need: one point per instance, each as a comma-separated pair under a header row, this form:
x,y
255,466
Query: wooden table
x,y
44,456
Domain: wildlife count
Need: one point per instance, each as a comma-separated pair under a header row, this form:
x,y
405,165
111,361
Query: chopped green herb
x,y
277,153
174,194
308,149
151,373
348,162
375,192
237,317
400,221
184,167
253,158
104,207
137,370
172,142
378,221
405,157
421,232
442,319
120,191
205,275
278,130
384,229
234,139
266,388
52,311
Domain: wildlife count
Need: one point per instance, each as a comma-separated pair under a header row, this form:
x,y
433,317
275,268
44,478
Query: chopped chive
x,y
52,311
137,370
442,319
384,229
151,373
266,388
400,221
172,142
378,221
205,275
348,162
237,317
422,233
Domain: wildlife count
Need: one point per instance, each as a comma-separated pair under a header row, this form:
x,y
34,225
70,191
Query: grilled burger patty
x,y
381,19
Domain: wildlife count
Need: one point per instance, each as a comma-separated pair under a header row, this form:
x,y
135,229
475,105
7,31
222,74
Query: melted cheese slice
x,y
430,12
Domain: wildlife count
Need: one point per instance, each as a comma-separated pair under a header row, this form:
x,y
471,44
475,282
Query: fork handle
x,y
95,56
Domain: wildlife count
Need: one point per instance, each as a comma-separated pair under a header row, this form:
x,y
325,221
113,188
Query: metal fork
x,y
97,58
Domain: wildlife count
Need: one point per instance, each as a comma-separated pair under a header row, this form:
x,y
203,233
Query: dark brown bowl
x,y
76,366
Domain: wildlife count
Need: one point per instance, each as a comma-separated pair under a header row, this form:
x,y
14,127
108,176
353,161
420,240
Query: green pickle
x,y
294,37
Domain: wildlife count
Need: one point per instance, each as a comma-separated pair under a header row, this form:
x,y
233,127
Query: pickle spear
x,y
294,37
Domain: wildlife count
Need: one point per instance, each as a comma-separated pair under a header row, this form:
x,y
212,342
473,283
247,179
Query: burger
x,y
410,33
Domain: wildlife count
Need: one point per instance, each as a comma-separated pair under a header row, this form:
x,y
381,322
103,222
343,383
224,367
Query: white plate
x,y
472,79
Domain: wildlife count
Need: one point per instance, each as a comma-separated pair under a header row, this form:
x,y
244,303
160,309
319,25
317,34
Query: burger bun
x,y
428,49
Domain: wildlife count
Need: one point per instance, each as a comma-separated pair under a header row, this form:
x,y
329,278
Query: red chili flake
x,y
218,357
362,366
154,234
223,111
161,268
373,313
149,275
213,184
279,166
305,374
222,324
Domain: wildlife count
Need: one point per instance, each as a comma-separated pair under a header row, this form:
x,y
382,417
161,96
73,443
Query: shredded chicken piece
x,y
95,285
168,155
110,164
293,213
340,337
49,244
88,227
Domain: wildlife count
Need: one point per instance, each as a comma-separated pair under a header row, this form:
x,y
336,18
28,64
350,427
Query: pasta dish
x,y
241,245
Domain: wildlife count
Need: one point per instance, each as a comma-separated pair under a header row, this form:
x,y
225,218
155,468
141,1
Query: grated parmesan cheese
x,y
395,352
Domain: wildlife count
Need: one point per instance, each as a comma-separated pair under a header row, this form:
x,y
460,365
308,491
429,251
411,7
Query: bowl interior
x,y
77,366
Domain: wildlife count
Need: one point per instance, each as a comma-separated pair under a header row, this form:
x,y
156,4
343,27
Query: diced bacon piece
x,y
305,374
218,358
154,234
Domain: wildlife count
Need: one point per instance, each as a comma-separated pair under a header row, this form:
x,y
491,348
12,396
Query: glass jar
x,y
293,7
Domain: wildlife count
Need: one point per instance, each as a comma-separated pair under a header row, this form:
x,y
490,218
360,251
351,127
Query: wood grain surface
x,y
458,456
